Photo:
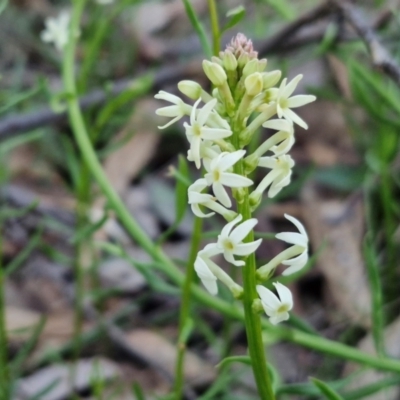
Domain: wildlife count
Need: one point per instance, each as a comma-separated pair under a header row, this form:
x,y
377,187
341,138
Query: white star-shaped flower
x,y
208,272
57,30
299,248
208,279
208,151
198,130
177,111
276,308
284,102
277,178
197,199
283,139
230,241
218,176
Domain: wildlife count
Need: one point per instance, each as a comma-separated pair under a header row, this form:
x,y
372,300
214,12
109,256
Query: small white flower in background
x,y
300,246
218,175
230,241
197,131
276,308
197,199
284,102
277,178
177,111
104,2
57,30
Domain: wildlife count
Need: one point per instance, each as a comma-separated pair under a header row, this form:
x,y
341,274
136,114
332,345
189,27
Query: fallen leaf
x,y
339,225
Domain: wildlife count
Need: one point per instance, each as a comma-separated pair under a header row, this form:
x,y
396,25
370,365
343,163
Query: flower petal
x,y
279,125
300,100
267,297
245,249
292,116
242,230
214,133
230,159
284,294
293,238
298,224
221,194
226,230
169,111
290,87
208,279
205,112
198,213
234,180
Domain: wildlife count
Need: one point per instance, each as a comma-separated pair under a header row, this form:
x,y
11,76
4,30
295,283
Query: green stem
x,y
252,320
293,335
214,26
185,306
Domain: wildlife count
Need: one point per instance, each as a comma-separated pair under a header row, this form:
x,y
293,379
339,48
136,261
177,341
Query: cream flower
x,y
176,112
208,151
208,279
276,308
208,272
282,141
197,199
57,30
284,102
277,178
218,175
197,131
230,241
295,256
299,249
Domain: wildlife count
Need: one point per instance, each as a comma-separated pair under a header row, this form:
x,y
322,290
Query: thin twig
x,y
380,56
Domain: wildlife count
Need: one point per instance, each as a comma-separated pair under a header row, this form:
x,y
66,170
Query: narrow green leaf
x,y
328,40
198,27
229,360
23,354
89,230
373,388
138,391
24,254
235,16
326,390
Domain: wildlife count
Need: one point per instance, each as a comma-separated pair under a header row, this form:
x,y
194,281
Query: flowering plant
x,y
244,98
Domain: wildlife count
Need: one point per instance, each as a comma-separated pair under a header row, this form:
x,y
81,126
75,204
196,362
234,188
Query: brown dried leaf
x,y
125,163
392,347
340,224
159,352
60,376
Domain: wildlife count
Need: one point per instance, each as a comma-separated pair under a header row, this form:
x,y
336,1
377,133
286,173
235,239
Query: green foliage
x,y
328,392
235,16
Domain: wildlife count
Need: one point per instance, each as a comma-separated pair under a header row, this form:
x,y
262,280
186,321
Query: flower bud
x,y
254,200
215,73
251,163
229,61
262,64
250,67
253,84
216,60
190,88
243,59
271,78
